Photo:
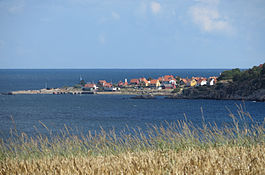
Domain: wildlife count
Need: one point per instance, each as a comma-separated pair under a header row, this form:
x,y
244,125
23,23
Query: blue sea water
x,y
90,112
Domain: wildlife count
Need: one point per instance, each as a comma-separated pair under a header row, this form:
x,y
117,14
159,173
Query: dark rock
x,y
143,97
6,93
88,92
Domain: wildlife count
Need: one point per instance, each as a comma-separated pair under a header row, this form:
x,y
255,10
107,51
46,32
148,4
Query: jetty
x,y
55,91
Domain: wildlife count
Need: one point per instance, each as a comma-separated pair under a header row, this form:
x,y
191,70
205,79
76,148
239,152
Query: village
x,y
163,86
167,82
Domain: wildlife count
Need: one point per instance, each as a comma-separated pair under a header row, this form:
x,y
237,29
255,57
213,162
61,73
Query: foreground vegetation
x,y
177,148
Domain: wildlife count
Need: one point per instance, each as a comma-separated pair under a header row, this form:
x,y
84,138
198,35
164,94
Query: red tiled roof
x,y
196,78
143,80
184,80
153,81
122,84
102,81
213,77
107,85
168,78
136,81
90,85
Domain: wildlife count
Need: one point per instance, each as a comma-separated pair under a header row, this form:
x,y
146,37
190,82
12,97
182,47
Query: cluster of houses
x,y
164,82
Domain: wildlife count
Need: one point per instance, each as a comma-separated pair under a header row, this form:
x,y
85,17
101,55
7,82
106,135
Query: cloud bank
x,y
206,15
115,15
155,7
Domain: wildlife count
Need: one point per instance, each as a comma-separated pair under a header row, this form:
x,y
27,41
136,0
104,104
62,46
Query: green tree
x,y
230,74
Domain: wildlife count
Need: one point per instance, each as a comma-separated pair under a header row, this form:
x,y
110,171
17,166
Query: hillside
x,y
233,84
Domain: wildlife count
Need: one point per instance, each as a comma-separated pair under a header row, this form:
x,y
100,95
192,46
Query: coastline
x,y
141,94
214,98
59,91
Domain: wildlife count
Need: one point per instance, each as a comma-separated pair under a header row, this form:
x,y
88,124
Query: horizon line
x,y
108,68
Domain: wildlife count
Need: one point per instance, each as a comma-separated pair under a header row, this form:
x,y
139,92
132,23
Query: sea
x,y
83,113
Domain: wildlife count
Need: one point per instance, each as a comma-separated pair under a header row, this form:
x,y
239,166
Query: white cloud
x,y
155,7
115,15
207,16
101,39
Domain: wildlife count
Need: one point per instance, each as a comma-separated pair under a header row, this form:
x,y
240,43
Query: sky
x,y
50,34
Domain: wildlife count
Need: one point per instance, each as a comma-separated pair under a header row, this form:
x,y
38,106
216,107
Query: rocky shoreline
x,y
211,93
73,91
214,98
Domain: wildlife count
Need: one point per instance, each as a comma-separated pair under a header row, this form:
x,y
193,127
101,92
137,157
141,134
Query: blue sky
x,y
132,33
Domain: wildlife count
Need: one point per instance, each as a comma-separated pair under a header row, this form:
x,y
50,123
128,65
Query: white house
x,y
90,87
211,81
202,82
111,88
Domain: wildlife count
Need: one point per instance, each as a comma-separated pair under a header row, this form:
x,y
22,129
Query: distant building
x,y
154,83
201,82
183,81
192,83
90,87
121,84
102,82
134,82
143,82
168,86
107,85
111,88
168,79
211,81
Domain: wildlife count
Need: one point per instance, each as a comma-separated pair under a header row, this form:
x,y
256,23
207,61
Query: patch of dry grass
x,y
218,160
177,148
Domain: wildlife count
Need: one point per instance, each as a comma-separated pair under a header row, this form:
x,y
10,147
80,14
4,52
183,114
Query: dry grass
x,y
177,148
220,160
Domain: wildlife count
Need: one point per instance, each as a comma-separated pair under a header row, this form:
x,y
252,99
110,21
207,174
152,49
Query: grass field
x,y
177,148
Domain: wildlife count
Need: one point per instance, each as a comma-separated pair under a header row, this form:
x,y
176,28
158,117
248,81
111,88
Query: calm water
x,y
89,112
